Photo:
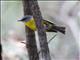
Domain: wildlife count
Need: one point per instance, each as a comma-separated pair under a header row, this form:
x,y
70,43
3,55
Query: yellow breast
x,y
31,24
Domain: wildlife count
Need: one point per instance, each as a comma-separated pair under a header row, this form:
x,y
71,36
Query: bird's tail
x,y
60,29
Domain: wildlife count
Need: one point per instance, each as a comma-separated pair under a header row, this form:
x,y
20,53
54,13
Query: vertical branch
x,y
41,32
30,35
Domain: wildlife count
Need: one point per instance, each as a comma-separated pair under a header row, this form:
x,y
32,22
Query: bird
x,y
48,26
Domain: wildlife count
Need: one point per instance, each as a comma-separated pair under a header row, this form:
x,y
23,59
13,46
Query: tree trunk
x,y
33,4
30,35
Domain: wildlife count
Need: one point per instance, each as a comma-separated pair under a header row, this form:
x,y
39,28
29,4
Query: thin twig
x,y
49,41
52,38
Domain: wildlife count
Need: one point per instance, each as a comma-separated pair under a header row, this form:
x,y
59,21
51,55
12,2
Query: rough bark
x,y
30,35
41,32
